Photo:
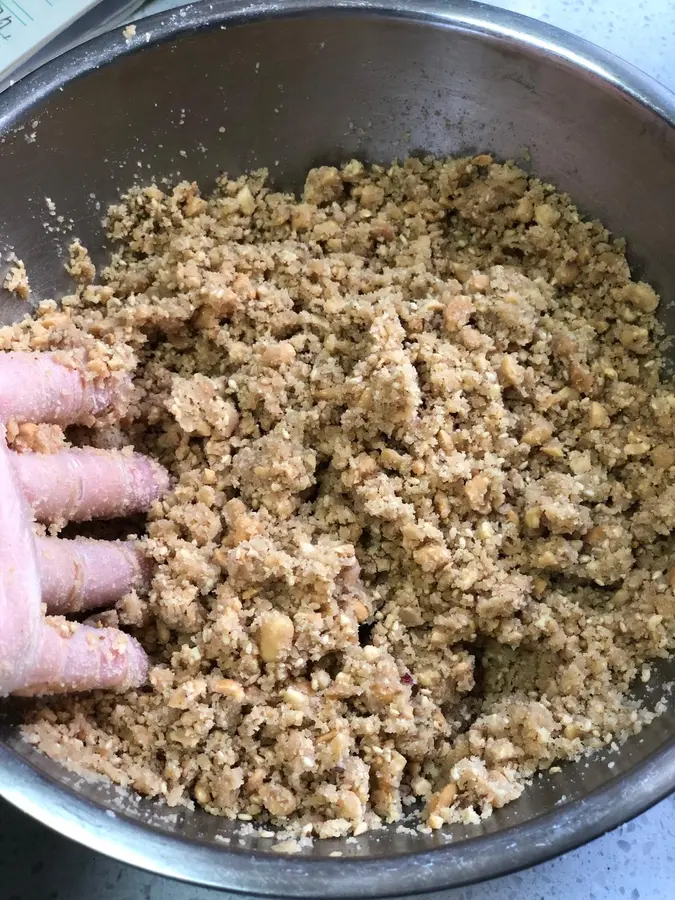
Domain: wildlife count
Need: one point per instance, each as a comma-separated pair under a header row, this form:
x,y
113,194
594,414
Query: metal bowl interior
x,y
219,86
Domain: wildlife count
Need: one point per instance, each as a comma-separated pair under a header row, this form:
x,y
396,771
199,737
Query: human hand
x,y
39,653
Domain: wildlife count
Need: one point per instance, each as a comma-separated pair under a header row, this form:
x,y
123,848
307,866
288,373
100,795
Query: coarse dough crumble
x,y
419,541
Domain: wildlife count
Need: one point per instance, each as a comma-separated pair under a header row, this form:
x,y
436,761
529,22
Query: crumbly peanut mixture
x,y
16,280
419,541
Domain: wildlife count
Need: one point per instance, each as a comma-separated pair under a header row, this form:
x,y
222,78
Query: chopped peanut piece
x,y
539,587
663,456
642,296
511,372
635,338
444,798
596,535
278,800
360,610
230,688
445,441
296,698
276,636
533,517
544,214
457,312
202,794
246,201
476,491
524,210
279,354
538,433
553,450
478,281
561,397
581,379
567,273
636,448
597,416
16,280
350,806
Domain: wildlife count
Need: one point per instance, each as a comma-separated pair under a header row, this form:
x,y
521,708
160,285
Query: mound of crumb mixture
x,y
419,541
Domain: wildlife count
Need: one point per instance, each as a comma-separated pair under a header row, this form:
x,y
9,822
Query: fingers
x,y
80,658
48,387
85,574
77,485
40,655
20,610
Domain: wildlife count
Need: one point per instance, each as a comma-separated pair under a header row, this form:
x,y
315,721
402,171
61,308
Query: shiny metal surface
x,y
334,81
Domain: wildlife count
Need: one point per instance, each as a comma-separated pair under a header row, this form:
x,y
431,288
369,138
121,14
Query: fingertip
x,y
83,574
145,567
123,661
137,665
162,479
60,387
83,658
152,480
121,392
79,484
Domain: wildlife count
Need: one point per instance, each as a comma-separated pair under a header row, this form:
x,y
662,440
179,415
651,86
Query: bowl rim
x,y
265,873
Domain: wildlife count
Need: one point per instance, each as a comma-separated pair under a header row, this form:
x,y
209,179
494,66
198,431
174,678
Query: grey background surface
x,y
635,861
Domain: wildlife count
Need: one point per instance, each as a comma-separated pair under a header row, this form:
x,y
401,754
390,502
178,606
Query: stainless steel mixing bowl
x,y
226,86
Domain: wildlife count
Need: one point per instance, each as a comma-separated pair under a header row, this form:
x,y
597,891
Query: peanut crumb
x,y
16,280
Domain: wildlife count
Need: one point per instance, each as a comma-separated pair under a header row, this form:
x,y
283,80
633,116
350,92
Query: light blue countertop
x,y
637,861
